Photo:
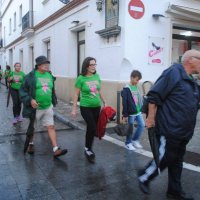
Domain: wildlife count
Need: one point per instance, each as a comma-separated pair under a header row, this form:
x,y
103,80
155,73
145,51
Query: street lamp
x,y
99,4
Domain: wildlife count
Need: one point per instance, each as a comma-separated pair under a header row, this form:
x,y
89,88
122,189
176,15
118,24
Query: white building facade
x,y
125,35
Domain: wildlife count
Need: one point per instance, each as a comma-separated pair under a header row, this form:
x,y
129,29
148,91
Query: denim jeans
x,y
139,130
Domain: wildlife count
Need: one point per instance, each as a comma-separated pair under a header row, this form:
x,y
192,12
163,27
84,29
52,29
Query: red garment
x,y
107,113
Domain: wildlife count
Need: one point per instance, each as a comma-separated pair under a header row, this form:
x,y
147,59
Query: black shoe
x,y
59,152
144,187
181,196
30,149
90,156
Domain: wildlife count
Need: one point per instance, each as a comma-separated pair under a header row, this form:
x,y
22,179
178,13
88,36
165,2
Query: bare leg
x,y
52,135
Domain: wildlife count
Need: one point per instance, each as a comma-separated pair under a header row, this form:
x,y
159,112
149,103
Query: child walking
x,y
132,103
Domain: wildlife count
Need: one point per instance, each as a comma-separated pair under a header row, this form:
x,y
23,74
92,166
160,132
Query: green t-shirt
x,y
89,87
7,73
17,79
44,86
1,73
136,97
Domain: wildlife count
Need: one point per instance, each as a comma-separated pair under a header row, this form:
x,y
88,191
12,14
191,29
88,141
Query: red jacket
x,y
107,114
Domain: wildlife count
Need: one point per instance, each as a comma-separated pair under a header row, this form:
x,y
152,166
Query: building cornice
x,y
51,18
59,13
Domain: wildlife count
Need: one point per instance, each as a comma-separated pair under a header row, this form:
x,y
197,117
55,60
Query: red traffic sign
x,y
136,9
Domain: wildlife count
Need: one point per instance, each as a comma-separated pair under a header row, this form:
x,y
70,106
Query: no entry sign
x,y
136,9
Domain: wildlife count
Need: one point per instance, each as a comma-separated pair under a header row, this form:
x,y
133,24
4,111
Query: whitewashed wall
x,y
116,58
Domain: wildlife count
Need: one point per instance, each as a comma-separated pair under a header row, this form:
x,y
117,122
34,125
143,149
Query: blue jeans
x,y
140,128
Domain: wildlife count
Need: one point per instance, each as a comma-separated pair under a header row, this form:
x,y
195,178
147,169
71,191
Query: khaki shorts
x,y
45,117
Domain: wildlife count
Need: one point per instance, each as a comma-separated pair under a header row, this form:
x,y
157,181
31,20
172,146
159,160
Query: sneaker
x,y
90,155
130,147
59,152
30,149
15,121
181,196
137,144
19,119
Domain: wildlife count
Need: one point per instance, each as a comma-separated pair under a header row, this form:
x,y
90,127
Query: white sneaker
x,y
137,144
130,147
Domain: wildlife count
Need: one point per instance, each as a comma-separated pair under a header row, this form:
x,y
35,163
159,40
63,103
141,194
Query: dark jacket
x,y
129,107
27,93
177,97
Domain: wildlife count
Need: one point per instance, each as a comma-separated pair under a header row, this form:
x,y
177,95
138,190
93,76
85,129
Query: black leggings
x,y
6,82
16,102
91,116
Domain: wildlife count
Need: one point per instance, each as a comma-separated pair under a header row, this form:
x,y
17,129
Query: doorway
x,y
184,39
81,50
11,57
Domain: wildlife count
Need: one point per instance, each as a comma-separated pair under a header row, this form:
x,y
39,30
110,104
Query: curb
x,y
67,121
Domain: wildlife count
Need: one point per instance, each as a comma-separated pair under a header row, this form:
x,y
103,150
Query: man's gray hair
x,y
188,54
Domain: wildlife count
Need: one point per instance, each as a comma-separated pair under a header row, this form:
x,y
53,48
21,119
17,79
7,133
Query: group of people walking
x,y
172,109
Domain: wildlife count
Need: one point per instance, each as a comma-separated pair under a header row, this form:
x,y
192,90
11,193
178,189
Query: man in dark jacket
x,y
37,94
173,106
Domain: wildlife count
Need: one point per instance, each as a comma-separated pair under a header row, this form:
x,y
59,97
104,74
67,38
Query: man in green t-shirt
x,y
16,79
38,95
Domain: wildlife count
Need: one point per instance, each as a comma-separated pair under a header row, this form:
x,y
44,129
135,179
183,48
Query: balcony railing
x,y
27,20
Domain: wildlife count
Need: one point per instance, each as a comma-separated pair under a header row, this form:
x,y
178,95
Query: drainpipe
x,y
31,13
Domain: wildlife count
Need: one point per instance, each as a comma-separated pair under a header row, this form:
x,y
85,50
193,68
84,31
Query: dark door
x,y
81,49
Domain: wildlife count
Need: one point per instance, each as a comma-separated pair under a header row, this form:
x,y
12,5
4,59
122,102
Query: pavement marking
x,y
148,153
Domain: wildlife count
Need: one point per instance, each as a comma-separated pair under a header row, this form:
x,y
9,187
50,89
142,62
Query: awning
x,y
185,13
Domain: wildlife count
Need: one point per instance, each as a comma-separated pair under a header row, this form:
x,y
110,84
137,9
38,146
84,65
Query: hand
x,y
125,119
104,104
34,104
10,79
74,113
150,122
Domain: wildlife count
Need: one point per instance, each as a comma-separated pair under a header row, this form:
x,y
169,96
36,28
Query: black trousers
x,y
6,82
16,102
91,116
171,153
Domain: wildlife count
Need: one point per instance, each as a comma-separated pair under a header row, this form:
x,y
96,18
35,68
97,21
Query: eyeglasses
x,y
93,65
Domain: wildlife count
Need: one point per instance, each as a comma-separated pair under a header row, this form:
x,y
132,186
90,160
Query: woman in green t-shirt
x,y
88,86
16,79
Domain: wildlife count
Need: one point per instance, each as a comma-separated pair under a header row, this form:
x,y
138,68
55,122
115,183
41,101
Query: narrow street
x,y
113,176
